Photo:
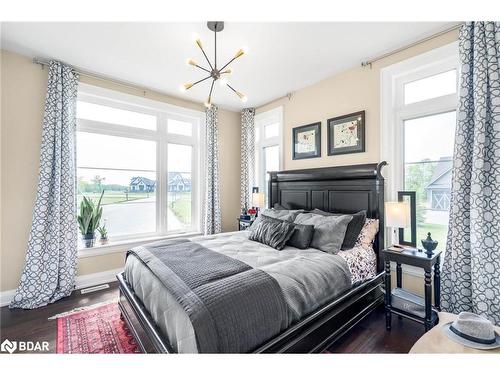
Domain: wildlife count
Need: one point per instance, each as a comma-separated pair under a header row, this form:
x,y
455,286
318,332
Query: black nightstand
x,y
417,259
244,224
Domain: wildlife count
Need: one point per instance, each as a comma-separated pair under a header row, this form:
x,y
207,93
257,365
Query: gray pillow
x,y
329,231
302,234
353,229
272,233
287,215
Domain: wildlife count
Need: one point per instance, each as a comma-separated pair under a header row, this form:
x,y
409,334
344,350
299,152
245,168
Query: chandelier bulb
x,y
227,71
240,53
185,87
242,96
208,104
191,62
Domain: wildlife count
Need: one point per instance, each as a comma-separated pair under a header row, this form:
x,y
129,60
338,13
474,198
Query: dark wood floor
x,y
369,336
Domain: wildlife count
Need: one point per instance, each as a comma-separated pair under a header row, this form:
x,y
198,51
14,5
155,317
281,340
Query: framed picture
x,y
410,197
306,141
346,134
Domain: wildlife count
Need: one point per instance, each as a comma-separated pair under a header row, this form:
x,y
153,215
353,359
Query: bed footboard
x,y
312,334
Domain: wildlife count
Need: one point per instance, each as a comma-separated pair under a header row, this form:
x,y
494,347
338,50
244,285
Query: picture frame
x,y
306,141
346,134
411,198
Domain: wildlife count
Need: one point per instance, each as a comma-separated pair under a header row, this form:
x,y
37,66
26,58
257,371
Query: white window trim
x,y
261,120
163,111
394,112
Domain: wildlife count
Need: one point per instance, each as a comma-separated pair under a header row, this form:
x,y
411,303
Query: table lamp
x,y
397,215
258,200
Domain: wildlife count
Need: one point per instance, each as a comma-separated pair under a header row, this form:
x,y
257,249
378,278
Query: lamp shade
x,y
258,199
397,214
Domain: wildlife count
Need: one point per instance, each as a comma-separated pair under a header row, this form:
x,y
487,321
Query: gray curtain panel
x,y
49,272
471,271
212,216
247,156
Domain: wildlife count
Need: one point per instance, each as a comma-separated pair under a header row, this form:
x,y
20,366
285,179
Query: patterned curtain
x,y
471,270
247,156
212,215
49,272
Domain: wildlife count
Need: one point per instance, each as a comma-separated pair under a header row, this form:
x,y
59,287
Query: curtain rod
x,y
101,77
371,61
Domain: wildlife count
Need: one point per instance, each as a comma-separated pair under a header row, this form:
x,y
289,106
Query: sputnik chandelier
x,y
215,73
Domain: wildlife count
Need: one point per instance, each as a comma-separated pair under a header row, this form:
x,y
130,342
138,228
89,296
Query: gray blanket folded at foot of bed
x,y
233,307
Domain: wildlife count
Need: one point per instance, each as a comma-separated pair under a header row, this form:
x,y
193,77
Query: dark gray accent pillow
x,y
287,215
353,228
329,231
272,233
302,234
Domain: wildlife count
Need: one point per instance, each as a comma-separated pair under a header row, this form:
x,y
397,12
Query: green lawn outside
x,y
180,203
114,197
438,233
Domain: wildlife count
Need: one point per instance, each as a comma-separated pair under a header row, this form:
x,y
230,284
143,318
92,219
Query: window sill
x,y
122,246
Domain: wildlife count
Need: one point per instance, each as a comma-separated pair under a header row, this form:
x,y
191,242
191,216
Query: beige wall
x,y
351,91
23,87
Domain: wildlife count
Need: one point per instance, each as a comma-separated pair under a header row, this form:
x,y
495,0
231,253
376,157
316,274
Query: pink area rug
x,y
96,330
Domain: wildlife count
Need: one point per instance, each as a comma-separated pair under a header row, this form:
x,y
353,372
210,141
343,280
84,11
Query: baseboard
x,y
6,297
83,281
92,279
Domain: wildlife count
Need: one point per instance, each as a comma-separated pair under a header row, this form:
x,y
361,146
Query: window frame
x,y
162,111
262,120
394,112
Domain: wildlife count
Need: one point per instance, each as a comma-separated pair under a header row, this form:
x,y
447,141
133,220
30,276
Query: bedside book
x,y
399,249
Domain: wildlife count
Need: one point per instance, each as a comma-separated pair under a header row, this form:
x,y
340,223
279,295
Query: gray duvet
x,y
308,279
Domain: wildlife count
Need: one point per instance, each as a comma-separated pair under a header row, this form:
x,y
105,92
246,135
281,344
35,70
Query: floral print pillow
x,y
368,233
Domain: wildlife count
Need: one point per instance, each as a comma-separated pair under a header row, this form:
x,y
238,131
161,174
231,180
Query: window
x,y
418,116
268,148
145,156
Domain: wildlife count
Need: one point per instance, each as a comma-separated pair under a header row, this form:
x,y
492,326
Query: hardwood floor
x,y
33,325
369,336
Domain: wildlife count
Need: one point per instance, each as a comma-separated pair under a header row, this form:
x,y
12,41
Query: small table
x,y
244,224
435,341
417,259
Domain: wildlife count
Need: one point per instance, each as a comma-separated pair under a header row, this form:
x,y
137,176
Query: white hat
x,y
473,330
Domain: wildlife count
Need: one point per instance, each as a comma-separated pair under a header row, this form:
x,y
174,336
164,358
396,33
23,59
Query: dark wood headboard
x,y
345,189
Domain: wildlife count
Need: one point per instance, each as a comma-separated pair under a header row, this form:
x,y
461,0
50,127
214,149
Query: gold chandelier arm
x,y
240,95
187,86
210,94
202,68
240,53
204,54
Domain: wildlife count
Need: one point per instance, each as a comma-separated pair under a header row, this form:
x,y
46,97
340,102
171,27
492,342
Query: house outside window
x,y
145,156
419,101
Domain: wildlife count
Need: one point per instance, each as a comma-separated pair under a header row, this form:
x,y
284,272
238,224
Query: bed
x,y
320,309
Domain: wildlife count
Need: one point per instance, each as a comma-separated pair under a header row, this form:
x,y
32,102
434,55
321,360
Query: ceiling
x,y
282,57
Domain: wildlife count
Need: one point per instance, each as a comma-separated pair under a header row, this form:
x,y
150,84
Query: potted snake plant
x,y
103,231
89,218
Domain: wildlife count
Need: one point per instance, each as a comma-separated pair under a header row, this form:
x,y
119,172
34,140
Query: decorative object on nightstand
x,y
429,244
406,304
244,224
